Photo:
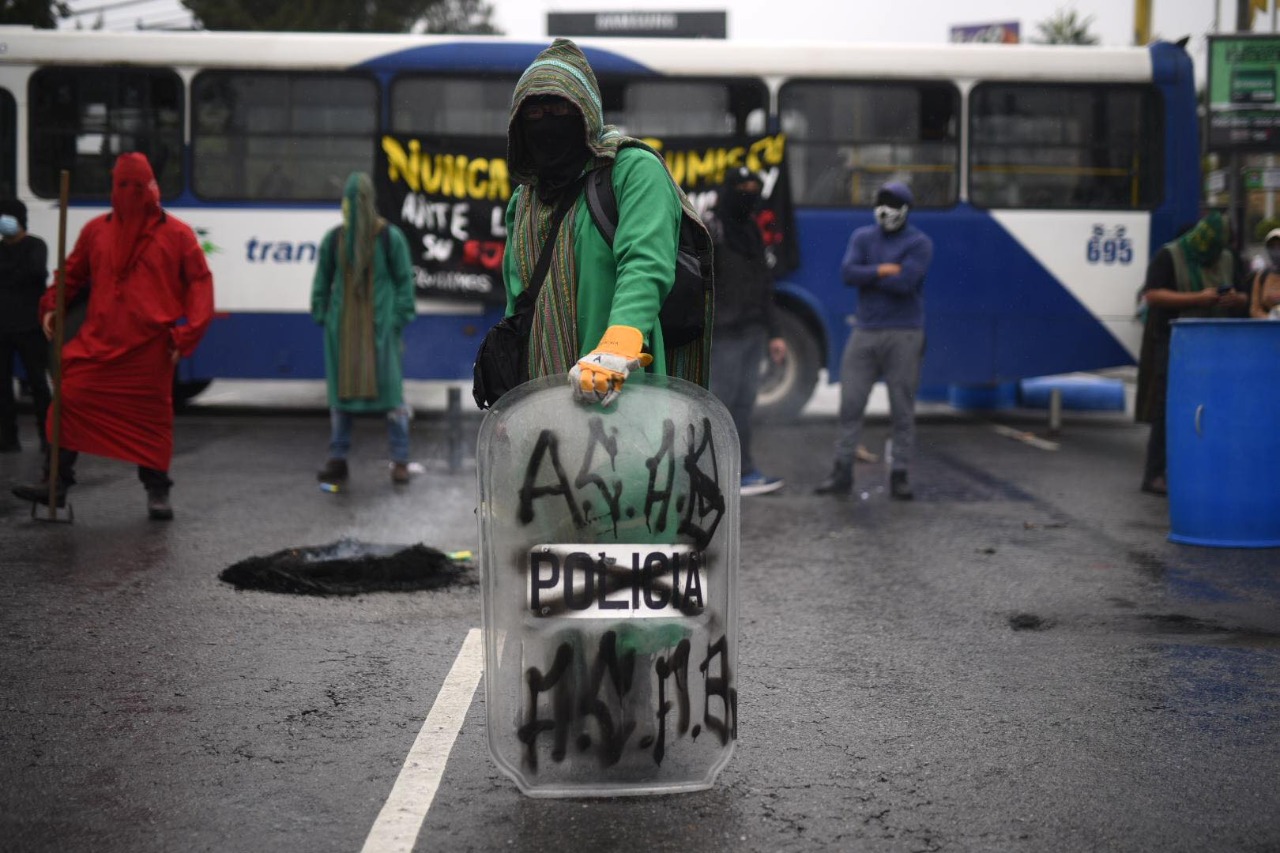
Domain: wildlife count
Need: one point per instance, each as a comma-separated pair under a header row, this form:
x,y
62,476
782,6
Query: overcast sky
x,y
879,21
919,21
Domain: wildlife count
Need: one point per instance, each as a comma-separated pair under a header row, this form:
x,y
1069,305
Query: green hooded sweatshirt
x,y
589,286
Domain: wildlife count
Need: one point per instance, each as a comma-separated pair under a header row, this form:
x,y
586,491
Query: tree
x,y
41,14
1065,27
344,16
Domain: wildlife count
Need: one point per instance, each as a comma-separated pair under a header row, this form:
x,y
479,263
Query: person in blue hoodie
x,y
887,263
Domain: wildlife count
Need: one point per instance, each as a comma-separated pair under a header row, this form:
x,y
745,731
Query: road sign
x,y
1244,108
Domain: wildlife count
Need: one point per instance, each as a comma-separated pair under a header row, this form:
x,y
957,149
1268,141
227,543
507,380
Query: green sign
x,y
1262,179
1244,111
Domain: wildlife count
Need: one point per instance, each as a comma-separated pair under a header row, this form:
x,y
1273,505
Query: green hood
x,y
561,70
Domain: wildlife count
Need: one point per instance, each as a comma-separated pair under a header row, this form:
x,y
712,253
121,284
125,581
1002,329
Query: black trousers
x,y
152,478
33,349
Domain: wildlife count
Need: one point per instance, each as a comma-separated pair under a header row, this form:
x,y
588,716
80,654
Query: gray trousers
x,y
735,379
892,356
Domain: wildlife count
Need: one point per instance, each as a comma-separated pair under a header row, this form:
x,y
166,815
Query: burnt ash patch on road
x,y
349,567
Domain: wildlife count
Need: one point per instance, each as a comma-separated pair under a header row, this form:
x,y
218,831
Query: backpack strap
x,y
526,299
601,202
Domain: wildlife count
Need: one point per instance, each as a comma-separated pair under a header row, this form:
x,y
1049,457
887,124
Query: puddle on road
x,y
350,567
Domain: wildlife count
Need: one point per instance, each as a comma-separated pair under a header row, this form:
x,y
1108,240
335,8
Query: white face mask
x,y
891,218
9,226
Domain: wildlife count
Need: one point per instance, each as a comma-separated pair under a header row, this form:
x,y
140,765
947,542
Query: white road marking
x,y
1025,437
398,824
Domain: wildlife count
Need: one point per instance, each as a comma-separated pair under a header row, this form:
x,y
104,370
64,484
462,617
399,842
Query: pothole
x,y
1028,622
351,567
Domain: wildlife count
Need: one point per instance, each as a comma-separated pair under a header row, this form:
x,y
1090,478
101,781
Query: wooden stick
x,y
59,315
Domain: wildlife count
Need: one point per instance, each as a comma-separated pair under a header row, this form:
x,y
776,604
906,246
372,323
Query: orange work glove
x,y
598,376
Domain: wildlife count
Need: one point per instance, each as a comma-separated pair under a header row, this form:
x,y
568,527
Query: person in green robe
x,y
362,295
596,315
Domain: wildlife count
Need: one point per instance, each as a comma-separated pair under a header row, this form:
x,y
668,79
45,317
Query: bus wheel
x,y
785,388
184,392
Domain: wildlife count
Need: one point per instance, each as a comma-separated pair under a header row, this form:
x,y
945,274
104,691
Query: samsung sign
x,y
639,24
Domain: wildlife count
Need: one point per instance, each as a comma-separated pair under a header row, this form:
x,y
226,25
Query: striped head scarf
x,y
562,71
357,346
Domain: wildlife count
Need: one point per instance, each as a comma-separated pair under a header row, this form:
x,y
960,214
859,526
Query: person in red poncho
x,y
147,272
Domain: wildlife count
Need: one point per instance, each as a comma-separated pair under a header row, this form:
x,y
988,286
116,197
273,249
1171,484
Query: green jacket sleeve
x,y
322,282
510,275
646,240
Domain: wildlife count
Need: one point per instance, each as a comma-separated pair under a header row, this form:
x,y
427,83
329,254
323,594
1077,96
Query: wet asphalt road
x,y
1018,660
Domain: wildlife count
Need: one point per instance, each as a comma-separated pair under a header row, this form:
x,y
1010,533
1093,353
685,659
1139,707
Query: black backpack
x,y
683,314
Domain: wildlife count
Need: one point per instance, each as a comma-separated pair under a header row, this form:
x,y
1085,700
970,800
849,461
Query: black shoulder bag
x,y
502,362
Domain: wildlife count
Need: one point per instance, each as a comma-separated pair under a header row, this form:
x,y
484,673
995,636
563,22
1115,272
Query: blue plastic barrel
x,y
1224,433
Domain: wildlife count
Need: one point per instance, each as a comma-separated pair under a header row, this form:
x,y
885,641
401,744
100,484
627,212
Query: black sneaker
x,y
899,488
334,471
158,508
838,482
38,493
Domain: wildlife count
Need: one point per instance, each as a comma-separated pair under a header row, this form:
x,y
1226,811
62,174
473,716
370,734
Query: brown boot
x,y
400,473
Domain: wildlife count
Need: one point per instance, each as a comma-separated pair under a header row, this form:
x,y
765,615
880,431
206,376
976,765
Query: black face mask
x,y
742,204
558,148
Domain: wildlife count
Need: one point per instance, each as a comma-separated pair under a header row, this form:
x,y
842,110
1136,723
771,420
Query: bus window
x,y
81,119
1065,146
280,136
452,106
845,139
682,108
8,145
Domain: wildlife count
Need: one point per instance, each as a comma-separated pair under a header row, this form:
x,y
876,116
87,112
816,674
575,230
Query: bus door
x,y
8,145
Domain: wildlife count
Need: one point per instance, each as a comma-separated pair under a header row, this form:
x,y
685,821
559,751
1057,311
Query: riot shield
x,y
608,560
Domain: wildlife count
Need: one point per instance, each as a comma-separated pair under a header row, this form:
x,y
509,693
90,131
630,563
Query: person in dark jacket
x,y
1194,275
887,262
746,325
24,270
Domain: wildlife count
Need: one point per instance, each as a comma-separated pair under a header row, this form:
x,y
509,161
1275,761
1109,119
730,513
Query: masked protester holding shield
x,y
595,315
887,262
148,273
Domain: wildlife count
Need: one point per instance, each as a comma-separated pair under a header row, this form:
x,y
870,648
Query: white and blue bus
x,y
1046,176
